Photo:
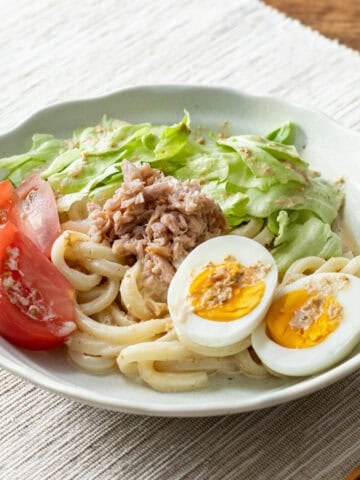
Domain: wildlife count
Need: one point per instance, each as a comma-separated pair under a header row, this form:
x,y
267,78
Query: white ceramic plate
x,y
327,146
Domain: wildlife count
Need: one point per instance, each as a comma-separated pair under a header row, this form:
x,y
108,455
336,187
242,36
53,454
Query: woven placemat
x,y
55,51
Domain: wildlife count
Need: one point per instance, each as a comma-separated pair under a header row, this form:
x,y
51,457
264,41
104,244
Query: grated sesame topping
x,y
328,285
223,281
308,314
322,288
28,299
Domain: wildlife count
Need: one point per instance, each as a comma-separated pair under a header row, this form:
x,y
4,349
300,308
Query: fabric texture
x,y
56,51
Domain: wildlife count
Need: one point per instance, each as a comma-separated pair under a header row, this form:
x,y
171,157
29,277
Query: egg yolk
x,y
226,291
301,319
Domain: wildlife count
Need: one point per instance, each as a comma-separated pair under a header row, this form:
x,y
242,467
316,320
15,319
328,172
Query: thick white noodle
x,y
127,335
145,354
92,364
309,265
84,297
119,317
131,297
217,351
97,251
353,266
102,301
89,345
265,237
248,366
256,229
79,280
106,268
335,264
81,226
250,229
225,365
78,210
171,382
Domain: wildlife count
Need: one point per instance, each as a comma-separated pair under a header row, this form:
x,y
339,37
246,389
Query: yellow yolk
x,y
300,319
226,291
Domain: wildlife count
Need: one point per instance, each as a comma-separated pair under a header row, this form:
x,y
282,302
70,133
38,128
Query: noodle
x,y
139,344
131,296
257,230
309,265
117,327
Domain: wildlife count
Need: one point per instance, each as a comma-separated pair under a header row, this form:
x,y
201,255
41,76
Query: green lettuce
x,y
297,239
272,162
317,196
44,149
250,176
284,134
233,204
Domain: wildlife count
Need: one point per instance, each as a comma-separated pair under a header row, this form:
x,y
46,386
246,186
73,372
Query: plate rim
x,y
283,395
166,86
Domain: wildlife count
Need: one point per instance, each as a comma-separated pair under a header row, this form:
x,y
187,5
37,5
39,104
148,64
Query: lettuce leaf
x,y
44,149
284,134
204,168
297,240
271,161
319,197
232,203
173,139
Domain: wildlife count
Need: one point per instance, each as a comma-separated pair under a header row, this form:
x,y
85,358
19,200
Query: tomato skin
x,y
6,194
35,272
7,232
15,327
35,212
7,200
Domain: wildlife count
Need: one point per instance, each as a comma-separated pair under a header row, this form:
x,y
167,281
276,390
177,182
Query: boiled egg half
x,y
220,294
312,324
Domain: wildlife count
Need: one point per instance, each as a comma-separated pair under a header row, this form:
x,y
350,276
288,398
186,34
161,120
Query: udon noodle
x,y
117,329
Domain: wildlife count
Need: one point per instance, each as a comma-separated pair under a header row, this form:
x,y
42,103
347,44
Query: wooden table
x,y
338,19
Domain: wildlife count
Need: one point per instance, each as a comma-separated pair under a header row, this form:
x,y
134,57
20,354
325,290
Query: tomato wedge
x,y
36,302
35,213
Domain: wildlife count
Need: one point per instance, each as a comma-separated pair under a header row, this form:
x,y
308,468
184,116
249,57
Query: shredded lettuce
x,y
248,175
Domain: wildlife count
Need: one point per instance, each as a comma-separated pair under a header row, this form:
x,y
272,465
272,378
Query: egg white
x,y
211,337
336,346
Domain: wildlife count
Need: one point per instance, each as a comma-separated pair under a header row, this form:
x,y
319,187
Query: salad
x,y
116,242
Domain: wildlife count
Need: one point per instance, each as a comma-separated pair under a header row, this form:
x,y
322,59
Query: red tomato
x,y
7,197
7,232
6,192
35,213
36,302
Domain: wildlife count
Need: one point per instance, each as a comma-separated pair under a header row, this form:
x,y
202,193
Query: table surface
x,y
338,19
